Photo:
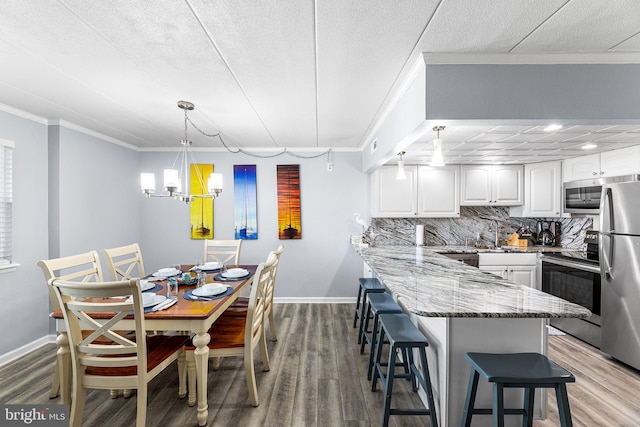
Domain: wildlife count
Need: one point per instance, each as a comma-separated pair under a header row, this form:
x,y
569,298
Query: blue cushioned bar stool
x,y
520,370
377,304
403,337
368,285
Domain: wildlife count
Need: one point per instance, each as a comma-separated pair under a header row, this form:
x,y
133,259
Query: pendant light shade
x,y
401,174
437,159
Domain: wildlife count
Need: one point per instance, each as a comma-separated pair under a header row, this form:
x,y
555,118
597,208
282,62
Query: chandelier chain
x,y
240,150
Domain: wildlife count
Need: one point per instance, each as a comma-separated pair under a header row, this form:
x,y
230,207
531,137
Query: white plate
x,y
166,272
156,299
209,289
210,266
145,285
235,272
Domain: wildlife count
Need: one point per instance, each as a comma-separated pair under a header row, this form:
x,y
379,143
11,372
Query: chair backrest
x,y
125,262
257,302
225,251
87,307
79,268
271,288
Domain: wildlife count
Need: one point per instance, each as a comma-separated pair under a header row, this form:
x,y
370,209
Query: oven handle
x,y
572,264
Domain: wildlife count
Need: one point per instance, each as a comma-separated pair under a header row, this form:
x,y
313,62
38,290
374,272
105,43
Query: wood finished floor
x,y
318,378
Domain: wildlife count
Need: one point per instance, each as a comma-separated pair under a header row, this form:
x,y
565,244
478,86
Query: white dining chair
x,y
224,251
239,308
125,262
83,267
125,362
240,335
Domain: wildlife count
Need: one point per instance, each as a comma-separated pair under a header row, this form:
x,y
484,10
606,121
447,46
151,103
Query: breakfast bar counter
x,y
460,308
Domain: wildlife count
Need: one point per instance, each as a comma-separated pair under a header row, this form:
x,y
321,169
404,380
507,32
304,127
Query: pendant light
x,y
401,174
437,159
175,179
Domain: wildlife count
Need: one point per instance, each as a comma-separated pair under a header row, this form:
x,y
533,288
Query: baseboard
x,y
21,351
313,300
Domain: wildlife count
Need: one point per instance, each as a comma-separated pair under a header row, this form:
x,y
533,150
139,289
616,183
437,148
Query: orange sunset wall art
x,y
289,223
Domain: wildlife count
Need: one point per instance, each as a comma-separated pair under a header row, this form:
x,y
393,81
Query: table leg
x,y
64,365
201,353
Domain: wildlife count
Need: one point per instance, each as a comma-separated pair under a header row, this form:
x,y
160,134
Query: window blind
x,y
6,202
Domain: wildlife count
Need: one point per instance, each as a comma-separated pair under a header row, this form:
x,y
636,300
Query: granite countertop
x,y
501,249
432,285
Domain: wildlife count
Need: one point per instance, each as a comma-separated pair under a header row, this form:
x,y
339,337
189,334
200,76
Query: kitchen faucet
x,y
495,244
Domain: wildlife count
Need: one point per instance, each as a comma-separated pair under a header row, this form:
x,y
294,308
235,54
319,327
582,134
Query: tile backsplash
x,y
473,220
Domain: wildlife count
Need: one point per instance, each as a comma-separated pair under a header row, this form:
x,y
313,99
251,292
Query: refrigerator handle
x,y
605,252
608,197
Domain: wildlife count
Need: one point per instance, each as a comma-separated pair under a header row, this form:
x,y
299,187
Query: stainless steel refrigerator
x,y
620,269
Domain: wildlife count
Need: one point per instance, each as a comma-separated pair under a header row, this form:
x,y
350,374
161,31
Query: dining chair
x,y
240,335
224,251
125,262
128,363
84,268
239,308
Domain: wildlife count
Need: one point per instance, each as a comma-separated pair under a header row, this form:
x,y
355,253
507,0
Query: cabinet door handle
x,y
595,173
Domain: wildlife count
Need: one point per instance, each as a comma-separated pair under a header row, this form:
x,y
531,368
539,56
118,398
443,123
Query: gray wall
x,y
74,192
24,307
320,265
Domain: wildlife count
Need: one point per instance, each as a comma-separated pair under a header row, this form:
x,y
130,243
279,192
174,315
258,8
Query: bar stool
x,y
521,370
368,285
403,336
377,304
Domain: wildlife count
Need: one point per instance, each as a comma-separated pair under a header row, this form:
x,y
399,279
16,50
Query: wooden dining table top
x,y
190,309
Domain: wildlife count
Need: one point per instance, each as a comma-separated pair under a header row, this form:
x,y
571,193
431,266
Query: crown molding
x,y
78,128
23,114
531,58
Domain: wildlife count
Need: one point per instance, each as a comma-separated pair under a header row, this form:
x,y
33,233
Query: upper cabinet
x,y
427,192
491,185
609,163
542,190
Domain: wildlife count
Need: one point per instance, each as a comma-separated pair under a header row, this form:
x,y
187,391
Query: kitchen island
x,y
460,308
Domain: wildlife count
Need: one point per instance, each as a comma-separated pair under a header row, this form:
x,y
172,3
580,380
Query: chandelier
x,y
175,179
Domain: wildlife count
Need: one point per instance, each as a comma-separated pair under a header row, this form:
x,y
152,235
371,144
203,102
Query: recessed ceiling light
x,y
551,128
589,146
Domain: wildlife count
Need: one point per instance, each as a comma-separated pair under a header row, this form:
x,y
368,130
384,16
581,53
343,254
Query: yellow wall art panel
x,y
201,215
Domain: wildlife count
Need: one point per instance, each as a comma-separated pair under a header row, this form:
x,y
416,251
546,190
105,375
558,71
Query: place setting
x,y
232,274
154,302
208,292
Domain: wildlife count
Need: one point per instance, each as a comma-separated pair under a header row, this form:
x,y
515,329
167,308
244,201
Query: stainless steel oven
x,y
576,280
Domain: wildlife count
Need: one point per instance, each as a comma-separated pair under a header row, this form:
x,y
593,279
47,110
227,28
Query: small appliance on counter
x,y
548,233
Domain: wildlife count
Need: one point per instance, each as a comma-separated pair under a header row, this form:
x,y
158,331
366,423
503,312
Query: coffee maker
x,y
548,233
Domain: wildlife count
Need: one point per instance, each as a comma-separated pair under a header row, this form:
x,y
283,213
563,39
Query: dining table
x,y
195,317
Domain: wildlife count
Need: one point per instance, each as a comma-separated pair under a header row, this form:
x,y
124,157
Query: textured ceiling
x,y
296,74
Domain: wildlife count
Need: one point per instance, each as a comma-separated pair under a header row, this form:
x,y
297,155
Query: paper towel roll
x,y
419,235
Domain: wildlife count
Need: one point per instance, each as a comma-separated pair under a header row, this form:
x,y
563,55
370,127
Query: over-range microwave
x,y
584,196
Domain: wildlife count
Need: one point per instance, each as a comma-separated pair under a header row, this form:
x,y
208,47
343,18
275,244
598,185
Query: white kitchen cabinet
x,y
625,161
609,163
519,268
542,191
393,198
491,185
439,191
427,192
